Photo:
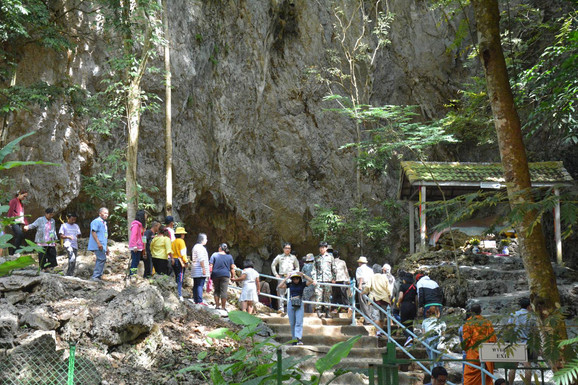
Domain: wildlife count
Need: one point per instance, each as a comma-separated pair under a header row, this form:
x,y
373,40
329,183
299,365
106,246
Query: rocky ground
x,y
126,332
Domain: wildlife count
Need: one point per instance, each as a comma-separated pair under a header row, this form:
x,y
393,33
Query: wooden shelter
x,y
424,180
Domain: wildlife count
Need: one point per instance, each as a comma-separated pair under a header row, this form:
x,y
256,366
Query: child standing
x,y
70,232
250,293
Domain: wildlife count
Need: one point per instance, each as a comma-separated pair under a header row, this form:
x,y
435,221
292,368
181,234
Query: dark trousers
x,y
179,274
72,254
48,257
148,265
161,266
340,294
16,241
407,313
199,283
135,256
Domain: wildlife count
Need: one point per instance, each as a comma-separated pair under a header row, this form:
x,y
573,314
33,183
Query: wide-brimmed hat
x,y
362,259
180,230
309,258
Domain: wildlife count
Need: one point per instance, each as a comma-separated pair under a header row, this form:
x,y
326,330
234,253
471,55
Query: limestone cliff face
x,y
254,147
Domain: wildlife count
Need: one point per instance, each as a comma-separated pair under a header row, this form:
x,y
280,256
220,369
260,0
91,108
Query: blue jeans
x,y
135,259
433,342
198,285
179,272
99,265
296,320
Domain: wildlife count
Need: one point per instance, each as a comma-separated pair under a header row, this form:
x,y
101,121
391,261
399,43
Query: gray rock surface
x,y
8,326
40,319
131,314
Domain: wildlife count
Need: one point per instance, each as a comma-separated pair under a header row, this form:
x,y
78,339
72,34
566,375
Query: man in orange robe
x,y
477,330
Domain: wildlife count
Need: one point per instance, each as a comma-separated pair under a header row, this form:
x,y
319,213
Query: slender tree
x,y
168,115
542,281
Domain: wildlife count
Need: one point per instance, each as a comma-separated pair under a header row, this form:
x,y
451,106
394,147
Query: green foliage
x,y
344,229
568,375
253,363
107,188
19,263
548,90
397,130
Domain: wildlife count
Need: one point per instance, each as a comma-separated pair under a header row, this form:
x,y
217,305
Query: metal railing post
x,y
353,308
388,317
279,367
71,359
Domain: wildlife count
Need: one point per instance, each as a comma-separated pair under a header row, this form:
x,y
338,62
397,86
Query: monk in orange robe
x,y
477,330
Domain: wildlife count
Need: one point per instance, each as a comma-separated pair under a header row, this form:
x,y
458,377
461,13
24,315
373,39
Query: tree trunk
x,y
133,122
168,117
541,279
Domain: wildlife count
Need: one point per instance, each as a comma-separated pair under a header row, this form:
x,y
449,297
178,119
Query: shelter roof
x,y
457,178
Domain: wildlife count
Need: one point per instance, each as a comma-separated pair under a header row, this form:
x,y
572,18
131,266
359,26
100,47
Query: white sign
x,y
488,244
503,353
490,185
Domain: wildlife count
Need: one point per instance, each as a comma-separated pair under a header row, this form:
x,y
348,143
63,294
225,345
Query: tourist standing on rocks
x,y
309,292
137,240
97,242
251,287
200,268
148,256
363,276
162,251
439,376
477,329
433,329
429,294
180,259
341,274
407,304
281,265
323,273
170,226
379,290
222,268
45,237
70,232
16,212
296,282
525,327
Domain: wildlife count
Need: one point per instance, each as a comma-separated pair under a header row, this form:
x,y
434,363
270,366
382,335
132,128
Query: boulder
x,y
131,314
8,326
18,282
78,325
38,318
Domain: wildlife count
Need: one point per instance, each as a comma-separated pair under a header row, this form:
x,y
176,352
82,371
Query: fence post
x,y
71,359
279,367
353,308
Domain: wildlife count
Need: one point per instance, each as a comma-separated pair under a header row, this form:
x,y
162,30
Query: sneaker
x,y
181,298
93,279
203,304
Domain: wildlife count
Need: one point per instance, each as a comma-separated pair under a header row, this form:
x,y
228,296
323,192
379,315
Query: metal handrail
x,y
389,318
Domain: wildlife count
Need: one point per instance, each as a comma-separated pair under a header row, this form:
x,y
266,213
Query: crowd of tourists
x,y
323,279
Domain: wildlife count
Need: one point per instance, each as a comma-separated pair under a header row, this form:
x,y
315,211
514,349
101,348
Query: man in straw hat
x,y
363,275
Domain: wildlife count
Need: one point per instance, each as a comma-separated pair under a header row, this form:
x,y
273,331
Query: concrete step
x,y
307,320
359,353
324,330
321,340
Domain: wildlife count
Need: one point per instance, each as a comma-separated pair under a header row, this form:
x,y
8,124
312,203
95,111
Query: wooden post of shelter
x,y
422,227
411,210
557,230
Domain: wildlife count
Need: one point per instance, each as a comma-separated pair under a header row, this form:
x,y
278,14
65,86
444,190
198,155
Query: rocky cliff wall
x,y
254,147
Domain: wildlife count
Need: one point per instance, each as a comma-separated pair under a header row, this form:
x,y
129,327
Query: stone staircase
x,y
319,335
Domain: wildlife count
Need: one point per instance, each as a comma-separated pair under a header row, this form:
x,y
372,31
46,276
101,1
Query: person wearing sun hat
x,y
180,259
309,291
296,282
363,275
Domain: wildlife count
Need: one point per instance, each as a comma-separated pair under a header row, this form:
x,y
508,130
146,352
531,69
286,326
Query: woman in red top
x,y
16,211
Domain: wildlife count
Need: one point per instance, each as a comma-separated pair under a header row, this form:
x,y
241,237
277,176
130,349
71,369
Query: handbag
x,y
296,301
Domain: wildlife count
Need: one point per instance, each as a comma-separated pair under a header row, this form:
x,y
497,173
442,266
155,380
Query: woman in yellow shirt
x,y
161,250
180,260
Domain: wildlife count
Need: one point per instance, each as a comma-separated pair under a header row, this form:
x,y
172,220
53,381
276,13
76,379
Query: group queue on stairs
x,y
324,279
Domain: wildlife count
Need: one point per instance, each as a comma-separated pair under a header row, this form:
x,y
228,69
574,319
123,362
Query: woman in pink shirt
x,y
16,211
137,241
